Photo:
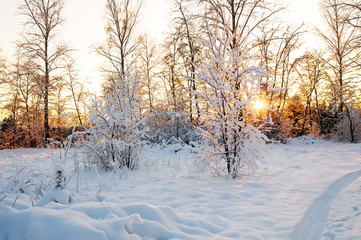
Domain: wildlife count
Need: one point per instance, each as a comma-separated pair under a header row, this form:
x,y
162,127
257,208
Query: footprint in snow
x,y
357,212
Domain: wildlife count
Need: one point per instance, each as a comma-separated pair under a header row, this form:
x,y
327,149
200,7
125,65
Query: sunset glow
x,y
259,105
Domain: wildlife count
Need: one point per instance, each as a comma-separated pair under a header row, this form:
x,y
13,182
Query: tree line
x,y
218,59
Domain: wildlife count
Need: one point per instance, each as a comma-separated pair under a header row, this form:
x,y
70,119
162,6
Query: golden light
x,y
259,105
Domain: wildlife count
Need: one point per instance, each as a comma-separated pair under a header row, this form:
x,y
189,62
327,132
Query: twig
x,y
3,197
15,200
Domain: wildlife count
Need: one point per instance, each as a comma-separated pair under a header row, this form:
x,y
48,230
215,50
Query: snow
x,y
307,189
62,196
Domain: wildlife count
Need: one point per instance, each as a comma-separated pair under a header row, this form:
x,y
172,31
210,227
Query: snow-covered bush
x,y
59,194
114,134
164,126
31,181
348,127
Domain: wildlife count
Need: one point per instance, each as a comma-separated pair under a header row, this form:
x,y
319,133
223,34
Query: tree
x,y
189,31
175,89
229,133
311,71
277,47
2,69
23,79
149,61
113,135
59,103
231,85
122,42
77,90
44,17
3,78
239,19
342,40
354,19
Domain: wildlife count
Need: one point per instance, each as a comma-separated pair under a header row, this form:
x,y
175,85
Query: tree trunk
x,y
46,106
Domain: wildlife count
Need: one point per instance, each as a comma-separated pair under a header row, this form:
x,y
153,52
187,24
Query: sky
x,y
84,26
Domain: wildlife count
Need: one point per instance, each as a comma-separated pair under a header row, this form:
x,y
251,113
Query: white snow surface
x,y
307,189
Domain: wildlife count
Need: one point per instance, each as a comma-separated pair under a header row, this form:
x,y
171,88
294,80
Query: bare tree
x,y
76,88
24,77
44,18
189,30
2,69
354,19
171,76
3,74
311,71
239,19
149,61
342,40
122,42
277,46
59,103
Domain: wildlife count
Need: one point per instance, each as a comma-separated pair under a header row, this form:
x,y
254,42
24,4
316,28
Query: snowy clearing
x,y
308,189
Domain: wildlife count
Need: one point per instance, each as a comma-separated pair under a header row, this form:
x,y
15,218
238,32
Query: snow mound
x,y
59,167
99,221
62,196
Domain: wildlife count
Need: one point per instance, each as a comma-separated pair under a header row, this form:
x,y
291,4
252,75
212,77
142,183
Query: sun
x,y
259,105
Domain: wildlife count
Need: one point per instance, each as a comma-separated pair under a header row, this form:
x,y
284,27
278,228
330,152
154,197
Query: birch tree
x,y
39,41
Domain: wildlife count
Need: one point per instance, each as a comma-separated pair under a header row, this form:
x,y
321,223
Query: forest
x,y
229,73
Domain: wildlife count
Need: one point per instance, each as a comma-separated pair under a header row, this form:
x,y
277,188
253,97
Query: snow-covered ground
x,y
307,189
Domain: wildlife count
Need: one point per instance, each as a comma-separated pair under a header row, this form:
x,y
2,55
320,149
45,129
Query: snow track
x,y
312,223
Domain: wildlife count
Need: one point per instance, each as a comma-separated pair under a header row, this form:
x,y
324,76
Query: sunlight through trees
x,y
224,67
